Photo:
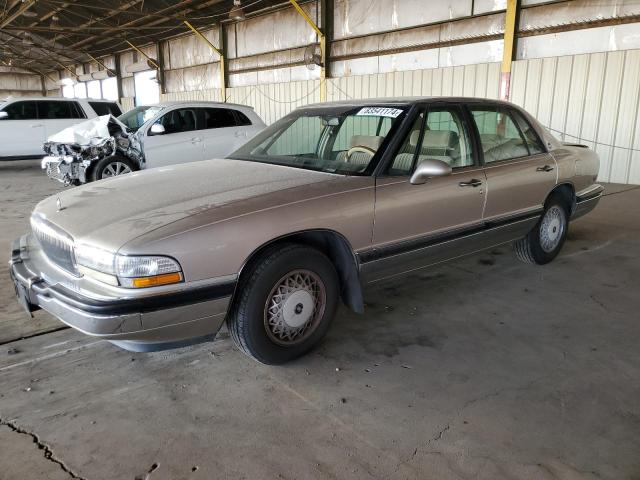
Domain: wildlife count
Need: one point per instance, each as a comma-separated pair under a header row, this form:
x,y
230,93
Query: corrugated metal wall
x,y
591,99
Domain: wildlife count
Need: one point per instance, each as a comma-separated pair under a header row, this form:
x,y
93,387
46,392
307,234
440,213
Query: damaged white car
x,y
146,137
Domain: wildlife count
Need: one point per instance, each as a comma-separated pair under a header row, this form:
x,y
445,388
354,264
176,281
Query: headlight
x,y
127,271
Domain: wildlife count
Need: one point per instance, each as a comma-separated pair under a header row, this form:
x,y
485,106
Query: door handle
x,y
546,168
240,134
36,126
471,183
196,140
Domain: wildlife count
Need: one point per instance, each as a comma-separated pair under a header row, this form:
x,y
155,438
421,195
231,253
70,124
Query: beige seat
x,y
361,158
437,144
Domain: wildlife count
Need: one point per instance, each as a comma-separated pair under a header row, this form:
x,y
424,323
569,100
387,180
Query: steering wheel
x,y
361,149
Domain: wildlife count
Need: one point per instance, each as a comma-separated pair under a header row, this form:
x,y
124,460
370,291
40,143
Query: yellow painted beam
x,y
323,49
151,60
100,63
67,69
223,82
510,27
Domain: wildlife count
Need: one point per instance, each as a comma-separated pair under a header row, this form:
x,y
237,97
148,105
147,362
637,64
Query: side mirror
x,y
4,115
157,129
429,168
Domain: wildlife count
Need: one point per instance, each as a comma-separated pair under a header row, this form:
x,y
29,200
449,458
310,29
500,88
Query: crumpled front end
x,y
71,153
68,163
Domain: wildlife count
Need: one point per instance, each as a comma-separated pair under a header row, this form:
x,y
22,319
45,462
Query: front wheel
x,y
543,243
111,167
284,304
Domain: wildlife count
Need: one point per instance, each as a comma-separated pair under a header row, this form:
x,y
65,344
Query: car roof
x,y
57,98
403,101
206,103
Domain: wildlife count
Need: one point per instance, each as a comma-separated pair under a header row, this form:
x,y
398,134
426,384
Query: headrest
x,y
434,138
369,141
439,139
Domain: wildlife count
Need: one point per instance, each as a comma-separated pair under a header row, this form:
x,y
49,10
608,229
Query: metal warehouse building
x,y
363,196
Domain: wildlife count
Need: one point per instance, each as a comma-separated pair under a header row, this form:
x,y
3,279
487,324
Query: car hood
x,y
89,132
110,212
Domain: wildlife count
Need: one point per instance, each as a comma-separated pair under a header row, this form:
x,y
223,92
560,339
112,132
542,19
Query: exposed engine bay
x,y
71,153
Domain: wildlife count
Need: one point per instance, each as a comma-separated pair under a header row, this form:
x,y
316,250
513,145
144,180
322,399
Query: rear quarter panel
x,y
576,165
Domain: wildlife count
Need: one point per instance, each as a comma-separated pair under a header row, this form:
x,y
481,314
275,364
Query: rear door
x,y
56,115
21,132
181,142
412,222
222,133
520,173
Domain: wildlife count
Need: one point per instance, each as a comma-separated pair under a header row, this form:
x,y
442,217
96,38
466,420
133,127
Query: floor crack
x,y
47,452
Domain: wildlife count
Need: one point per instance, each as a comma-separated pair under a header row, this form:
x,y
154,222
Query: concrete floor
x,y
486,368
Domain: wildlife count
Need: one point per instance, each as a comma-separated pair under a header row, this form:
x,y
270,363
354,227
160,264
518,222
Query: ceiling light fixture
x,y
237,12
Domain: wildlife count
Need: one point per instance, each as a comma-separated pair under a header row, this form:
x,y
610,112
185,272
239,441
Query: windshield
x,y
134,119
340,140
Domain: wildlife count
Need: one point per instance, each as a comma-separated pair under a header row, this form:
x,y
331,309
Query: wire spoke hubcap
x,y
114,169
552,228
294,307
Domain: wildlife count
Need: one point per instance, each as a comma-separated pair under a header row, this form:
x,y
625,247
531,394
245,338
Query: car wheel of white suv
x,y
285,304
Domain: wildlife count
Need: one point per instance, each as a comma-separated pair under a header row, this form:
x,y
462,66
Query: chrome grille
x,y
56,244
53,171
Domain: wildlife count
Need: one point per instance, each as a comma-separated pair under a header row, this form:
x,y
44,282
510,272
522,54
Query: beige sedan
x,y
326,200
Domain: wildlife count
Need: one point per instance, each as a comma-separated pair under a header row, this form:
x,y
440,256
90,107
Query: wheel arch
x,y
568,192
335,246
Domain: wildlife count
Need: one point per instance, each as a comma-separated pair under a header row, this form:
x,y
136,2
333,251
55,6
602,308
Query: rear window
x,y
217,118
59,109
241,118
106,108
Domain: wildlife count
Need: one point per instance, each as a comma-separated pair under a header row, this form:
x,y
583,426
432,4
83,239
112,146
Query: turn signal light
x,y
156,280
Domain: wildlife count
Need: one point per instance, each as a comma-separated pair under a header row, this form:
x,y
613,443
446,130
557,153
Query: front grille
x,y
56,244
53,171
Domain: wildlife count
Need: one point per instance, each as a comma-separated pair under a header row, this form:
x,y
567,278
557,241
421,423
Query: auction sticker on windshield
x,y
380,112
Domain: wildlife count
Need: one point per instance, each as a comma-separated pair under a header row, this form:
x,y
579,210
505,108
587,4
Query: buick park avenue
x,y
328,199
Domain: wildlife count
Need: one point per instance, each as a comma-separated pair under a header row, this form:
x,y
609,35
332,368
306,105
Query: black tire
x,y
533,248
247,320
97,171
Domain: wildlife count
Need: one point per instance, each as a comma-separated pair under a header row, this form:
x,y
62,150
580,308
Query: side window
x,y
105,108
444,137
218,118
530,136
359,126
241,119
403,162
500,137
180,120
54,110
21,111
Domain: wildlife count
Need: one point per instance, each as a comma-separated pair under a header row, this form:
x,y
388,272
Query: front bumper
x,y
152,322
65,169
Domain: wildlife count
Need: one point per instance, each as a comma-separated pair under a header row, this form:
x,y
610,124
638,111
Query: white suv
x,y
26,122
146,137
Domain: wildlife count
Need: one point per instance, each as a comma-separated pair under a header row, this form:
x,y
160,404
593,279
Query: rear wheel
x,y
285,304
543,243
111,167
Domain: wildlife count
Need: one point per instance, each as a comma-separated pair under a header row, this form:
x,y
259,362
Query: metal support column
x,y
323,49
220,52
508,55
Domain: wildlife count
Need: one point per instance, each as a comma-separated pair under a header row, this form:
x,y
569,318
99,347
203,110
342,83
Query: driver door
x,y
181,142
418,225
